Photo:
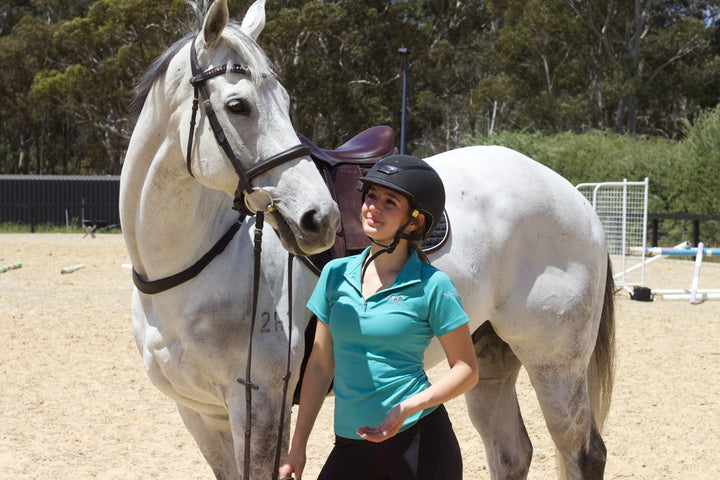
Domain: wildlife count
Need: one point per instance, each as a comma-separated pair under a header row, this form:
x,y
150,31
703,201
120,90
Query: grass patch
x,y
11,227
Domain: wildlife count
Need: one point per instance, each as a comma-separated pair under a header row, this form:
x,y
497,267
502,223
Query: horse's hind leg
x,y
562,392
493,407
215,441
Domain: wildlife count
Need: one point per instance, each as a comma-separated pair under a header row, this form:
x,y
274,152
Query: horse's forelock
x,y
253,56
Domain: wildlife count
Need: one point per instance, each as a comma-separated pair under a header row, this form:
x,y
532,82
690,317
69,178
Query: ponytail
x,y
417,246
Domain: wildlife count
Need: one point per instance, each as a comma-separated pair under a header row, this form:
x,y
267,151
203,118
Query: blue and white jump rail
x,y
688,252
695,295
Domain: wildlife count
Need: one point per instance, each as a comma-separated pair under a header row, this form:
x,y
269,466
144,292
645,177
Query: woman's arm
x,y
319,373
461,377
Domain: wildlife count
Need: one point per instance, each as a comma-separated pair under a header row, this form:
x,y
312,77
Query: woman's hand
x,y
389,427
294,464
461,377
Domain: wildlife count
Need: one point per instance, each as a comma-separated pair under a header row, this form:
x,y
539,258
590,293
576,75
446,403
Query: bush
x,y
682,176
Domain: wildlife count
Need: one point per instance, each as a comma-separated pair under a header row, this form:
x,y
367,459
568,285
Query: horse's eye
x,y
238,107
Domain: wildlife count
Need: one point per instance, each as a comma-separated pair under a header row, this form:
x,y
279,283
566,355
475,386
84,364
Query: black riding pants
x,y
427,451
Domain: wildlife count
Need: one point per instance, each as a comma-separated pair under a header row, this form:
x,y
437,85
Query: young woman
x,y
377,313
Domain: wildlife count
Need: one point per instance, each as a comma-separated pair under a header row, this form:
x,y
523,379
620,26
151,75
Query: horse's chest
x,y
196,342
192,339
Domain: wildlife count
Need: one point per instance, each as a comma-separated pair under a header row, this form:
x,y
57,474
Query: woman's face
x,y
383,213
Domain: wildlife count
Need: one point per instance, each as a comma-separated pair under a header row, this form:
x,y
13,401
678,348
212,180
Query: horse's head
x,y
244,142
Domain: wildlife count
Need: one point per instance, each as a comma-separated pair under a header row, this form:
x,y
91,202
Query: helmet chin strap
x,y
390,248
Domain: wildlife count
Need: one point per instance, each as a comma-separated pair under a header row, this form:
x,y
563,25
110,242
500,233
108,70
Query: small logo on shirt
x,y
452,294
397,298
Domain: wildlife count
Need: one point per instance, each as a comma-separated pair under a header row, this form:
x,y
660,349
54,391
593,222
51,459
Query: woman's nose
x,y
372,205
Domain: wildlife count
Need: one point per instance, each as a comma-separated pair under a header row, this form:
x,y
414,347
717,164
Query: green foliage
x,y
68,67
697,187
340,63
72,67
682,176
10,227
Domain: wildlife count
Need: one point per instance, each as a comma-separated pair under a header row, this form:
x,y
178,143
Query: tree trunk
x,y
632,115
619,115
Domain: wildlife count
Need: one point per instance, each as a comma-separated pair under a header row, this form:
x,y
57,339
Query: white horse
x,y
193,337
527,253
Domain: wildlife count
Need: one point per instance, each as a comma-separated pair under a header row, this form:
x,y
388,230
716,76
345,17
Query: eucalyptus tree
x,y
99,57
643,48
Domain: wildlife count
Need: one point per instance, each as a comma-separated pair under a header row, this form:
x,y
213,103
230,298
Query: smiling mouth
x,y
373,221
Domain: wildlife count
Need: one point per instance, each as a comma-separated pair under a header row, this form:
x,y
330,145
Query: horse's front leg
x,y
266,434
213,436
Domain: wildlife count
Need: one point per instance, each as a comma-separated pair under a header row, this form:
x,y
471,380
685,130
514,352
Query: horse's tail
x,y
601,371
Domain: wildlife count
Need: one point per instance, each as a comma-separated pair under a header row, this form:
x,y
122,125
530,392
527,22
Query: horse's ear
x,y
215,22
254,20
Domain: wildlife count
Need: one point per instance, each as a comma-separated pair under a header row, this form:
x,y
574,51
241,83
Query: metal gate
x,y
622,208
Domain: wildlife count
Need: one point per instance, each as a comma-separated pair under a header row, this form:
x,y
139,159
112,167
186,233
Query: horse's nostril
x,y
308,222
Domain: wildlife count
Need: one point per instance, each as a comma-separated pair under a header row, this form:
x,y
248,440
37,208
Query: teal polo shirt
x,y
379,342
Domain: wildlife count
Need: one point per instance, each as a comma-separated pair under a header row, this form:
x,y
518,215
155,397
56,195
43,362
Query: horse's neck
x,y
170,220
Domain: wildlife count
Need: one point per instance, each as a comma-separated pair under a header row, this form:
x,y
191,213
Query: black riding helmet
x,y
415,179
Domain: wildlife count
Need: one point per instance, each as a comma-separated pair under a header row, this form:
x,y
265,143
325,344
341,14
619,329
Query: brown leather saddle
x,y
341,168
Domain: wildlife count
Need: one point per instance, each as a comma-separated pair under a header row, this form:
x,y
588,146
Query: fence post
x,y
654,230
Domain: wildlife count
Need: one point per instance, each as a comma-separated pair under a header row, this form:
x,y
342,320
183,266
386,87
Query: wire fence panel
x,y
622,208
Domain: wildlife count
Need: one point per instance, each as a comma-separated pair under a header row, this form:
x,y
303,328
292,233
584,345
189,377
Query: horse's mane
x,y
156,70
257,62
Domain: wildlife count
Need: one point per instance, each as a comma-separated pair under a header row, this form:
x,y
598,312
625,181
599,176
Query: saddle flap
x,y
349,199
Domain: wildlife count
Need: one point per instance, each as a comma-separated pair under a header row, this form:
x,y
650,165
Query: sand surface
x,y
75,402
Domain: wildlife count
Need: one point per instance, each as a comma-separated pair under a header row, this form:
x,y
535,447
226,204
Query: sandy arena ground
x,y
75,402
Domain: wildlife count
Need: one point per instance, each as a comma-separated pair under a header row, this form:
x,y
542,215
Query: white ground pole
x,y
688,296
72,269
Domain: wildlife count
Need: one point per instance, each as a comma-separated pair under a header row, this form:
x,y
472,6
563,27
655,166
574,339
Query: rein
x,y
247,381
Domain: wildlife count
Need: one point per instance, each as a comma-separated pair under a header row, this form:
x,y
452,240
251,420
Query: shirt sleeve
x,y
318,302
446,312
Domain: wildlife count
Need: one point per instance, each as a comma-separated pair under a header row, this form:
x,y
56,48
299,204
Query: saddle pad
x,y
437,237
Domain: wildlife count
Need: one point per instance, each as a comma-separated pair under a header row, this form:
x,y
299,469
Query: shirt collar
x,y
410,272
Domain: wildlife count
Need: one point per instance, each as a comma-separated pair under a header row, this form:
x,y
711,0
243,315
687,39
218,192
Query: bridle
x,y
245,207
245,176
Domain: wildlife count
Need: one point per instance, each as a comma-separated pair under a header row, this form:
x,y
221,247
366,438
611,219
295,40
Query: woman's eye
x,y
238,107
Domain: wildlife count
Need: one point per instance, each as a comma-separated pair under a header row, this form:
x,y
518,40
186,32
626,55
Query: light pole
x,y
403,122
